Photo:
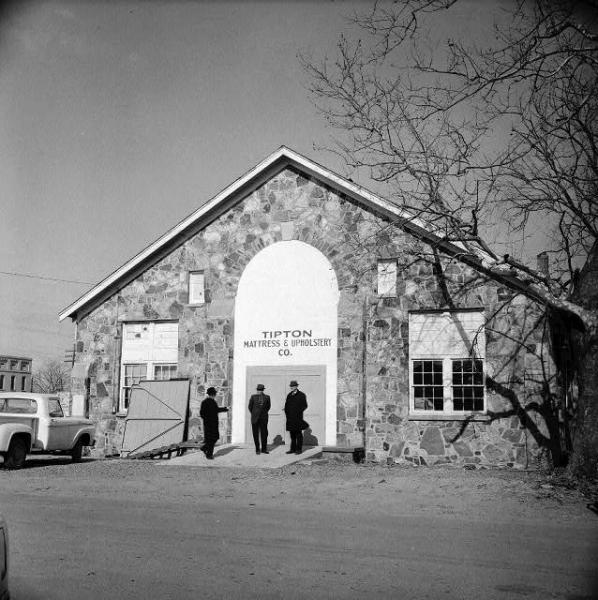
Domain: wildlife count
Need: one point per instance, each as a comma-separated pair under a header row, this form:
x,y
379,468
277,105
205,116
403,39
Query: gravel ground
x,y
328,484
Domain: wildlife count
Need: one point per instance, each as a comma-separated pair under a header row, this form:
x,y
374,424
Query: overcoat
x,y
294,406
259,405
209,413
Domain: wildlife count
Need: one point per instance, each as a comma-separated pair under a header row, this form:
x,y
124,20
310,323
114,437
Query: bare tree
x,y
53,376
465,133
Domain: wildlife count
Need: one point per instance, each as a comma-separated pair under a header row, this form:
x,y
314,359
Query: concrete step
x,y
241,455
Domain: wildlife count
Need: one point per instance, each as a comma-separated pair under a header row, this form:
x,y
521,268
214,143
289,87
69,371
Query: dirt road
x,y
133,530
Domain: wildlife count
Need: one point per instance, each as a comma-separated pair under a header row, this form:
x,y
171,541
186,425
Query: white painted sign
x,y
286,314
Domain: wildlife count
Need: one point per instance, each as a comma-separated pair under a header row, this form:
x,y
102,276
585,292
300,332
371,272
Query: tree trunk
x,y
584,460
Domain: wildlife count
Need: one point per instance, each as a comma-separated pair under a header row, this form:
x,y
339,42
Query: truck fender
x,y
9,430
88,435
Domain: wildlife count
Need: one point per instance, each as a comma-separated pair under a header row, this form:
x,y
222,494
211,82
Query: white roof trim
x,y
283,152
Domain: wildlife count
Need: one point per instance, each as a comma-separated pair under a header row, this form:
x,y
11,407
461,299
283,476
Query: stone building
x,y
416,347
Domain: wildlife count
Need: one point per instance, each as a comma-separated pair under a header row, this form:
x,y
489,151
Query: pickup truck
x,y
36,423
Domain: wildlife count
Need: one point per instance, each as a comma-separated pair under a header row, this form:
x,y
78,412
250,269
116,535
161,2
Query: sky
x,y
118,119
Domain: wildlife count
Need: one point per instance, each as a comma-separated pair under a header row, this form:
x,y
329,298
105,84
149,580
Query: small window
x,y
387,278
1,382
196,287
14,365
13,380
23,383
25,366
164,372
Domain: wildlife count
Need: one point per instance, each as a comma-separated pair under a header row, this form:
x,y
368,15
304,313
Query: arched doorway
x,y
286,328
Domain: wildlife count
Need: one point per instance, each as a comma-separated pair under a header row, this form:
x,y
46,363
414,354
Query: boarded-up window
x,y
446,352
452,334
387,278
149,351
196,287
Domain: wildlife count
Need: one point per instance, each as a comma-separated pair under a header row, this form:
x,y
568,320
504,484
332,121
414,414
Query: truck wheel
x,y
16,455
77,451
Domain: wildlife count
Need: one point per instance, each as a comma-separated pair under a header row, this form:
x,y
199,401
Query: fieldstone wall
x,y
373,340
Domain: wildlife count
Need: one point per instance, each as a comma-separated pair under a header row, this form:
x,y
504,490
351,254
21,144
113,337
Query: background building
x,y
15,374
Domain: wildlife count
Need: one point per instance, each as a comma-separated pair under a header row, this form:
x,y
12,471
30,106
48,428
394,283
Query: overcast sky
x,y
118,119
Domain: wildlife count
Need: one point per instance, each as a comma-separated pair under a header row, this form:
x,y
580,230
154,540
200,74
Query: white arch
x,y
289,287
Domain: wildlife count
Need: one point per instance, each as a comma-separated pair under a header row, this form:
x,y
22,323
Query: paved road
x,y
132,547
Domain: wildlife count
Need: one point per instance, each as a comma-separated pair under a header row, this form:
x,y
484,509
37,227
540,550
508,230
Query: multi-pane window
x,y
196,287
446,362
468,385
164,372
133,374
428,389
387,278
149,351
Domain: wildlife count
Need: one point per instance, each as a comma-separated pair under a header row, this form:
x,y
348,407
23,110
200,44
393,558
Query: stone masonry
x,y
373,336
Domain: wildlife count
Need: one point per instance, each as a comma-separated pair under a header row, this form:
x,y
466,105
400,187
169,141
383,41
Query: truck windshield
x,y
54,408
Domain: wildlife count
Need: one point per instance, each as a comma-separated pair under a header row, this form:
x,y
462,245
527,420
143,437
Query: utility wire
x,y
44,278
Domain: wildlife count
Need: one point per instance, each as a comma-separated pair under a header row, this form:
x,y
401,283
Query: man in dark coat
x,y
294,406
209,413
259,405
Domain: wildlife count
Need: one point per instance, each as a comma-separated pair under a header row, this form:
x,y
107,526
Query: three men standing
x,y
294,406
259,405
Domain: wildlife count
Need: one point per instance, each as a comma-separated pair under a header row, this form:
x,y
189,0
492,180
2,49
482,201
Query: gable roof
x,y
472,252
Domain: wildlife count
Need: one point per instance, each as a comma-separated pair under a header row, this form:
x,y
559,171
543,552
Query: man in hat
x,y
294,406
209,413
259,405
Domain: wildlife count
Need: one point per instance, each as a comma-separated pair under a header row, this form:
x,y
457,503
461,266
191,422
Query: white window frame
x,y
149,353
171,371
447,356
126,389
197,288
387,278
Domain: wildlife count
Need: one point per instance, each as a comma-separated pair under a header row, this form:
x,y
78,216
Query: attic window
x,y
387,278
196,287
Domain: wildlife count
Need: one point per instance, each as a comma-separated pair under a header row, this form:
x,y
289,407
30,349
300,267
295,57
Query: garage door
x,y
157,415
276,379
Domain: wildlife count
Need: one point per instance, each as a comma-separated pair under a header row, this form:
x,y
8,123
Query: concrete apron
x,y
239,455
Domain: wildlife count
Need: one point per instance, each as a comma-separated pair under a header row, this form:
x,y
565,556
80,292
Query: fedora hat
x,y
293,384
260,386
